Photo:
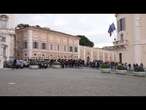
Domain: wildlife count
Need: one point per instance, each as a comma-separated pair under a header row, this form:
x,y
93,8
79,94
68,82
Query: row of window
x,y
44,46
50,56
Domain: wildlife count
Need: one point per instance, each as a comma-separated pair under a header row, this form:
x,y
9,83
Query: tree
x,y
85,41
37,26
22,25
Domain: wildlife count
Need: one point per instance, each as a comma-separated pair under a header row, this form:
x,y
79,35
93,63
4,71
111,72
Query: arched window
x,y
35,44
64,48
43,45
51,47
25,44
76,49
70,49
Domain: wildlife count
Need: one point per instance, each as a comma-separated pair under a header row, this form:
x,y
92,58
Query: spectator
x,y
125,66
134,67
141,67
129,67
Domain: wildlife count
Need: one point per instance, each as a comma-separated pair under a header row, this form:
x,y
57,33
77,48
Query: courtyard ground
x,y
69,82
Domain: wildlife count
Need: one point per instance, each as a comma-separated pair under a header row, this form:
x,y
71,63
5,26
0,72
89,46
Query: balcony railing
x,y
120,42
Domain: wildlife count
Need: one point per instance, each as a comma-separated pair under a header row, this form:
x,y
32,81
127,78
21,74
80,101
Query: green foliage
x,y
121,67
105,65
84,41
139,69
38,26
23,25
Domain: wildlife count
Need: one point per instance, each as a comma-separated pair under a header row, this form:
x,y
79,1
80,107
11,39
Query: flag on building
x,y
111,28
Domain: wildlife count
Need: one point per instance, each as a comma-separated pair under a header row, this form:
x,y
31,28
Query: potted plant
x,y
33,64
121,69
56,64
105,68
139,71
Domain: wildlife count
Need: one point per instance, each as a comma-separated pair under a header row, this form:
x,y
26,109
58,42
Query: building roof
x,y
108,48
44,29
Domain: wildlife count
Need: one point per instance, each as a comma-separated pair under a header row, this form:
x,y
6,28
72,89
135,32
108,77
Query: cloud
x,y
59,22
100,45
94,26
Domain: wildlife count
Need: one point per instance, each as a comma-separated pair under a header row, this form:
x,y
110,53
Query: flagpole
x,y
114,49
115,35
111,32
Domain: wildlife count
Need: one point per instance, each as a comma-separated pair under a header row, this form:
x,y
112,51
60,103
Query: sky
x,y
93,26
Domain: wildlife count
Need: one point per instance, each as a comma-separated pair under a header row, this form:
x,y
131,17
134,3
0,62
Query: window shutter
x,y
123,24
121,27
118,25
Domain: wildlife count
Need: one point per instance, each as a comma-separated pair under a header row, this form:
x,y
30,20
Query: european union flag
x,y
113,26
111,29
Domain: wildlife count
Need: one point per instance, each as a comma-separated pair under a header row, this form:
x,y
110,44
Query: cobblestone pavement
x,y
69,82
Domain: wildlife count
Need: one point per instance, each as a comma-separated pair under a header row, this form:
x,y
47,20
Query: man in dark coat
x,y
14,63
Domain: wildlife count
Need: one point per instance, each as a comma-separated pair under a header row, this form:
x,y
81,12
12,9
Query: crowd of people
x,y
129,67
68,63
72,63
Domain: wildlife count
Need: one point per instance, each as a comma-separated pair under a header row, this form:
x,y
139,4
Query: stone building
x,y
130,45
34,42
38,42
92,53
7,40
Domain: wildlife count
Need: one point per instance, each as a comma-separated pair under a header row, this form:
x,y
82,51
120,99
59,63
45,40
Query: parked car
x,y
19,64
8,64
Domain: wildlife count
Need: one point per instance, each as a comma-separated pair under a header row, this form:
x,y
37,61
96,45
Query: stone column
x,y
30,43
98,54
84,53
78,51
137,36
91,54
1,55
8,43
103,56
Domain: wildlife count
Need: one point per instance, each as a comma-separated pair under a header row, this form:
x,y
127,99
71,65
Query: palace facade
x,y
92,53
7,40
34,42
38,42
130,45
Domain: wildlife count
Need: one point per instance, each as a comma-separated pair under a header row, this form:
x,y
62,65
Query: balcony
x,y
120,43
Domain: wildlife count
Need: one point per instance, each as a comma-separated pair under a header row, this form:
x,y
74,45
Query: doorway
x,y
120,57
88,60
